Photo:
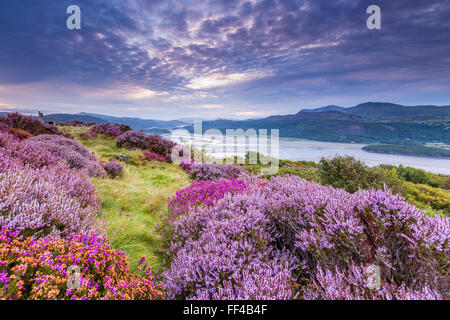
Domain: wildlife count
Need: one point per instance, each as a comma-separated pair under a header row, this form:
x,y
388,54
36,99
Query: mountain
x,y
138,123
147,125
60,117
371,122
382,110
325,109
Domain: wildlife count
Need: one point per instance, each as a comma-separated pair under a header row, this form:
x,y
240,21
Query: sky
x,y
167,59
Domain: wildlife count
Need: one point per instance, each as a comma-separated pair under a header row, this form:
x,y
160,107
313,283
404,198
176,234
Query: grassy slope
x,y
144,184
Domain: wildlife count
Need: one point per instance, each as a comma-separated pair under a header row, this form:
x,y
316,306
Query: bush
x,y
108,129
38,269
322,238
20,134
161,146
53,201
152,143
223,253
214,172
113,168
25,152
70,151
32,125
150,156
132,140
425,196
351,174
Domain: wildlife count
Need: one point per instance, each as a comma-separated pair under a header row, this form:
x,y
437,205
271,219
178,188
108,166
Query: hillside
x,y
140,227
365,123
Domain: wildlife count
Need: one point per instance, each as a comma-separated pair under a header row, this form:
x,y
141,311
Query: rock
x,y
121,157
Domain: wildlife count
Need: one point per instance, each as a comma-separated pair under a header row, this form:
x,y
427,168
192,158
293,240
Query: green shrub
x,y
351,174
425,197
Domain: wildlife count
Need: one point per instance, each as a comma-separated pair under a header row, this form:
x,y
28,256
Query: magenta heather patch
x,y
150,156
202,193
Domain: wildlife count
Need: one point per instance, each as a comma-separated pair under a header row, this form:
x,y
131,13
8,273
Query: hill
x,y
371,122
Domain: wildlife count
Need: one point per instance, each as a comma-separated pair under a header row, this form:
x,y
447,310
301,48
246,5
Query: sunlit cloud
x,y
222,80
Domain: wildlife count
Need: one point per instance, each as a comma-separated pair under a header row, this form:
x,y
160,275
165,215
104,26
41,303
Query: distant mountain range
x,y
371,122
147,125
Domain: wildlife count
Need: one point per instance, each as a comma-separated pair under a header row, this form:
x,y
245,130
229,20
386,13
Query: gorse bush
x,y
70,151
32,125
214,172
419,176
38,269
113,168
321,238
425,196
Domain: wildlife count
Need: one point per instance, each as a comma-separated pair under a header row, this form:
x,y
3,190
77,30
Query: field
x,y
133,203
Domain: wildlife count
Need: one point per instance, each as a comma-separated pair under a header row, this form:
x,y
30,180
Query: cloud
x,y
221,80
160,54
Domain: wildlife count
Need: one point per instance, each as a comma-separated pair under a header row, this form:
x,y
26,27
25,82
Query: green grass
x,y
127,200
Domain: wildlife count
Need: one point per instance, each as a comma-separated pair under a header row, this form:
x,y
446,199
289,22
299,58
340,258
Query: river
x,y
300,149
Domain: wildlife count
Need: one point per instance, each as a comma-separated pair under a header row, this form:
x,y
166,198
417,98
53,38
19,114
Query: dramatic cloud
x,y
221,58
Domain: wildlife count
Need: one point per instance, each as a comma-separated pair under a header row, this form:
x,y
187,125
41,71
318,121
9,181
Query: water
x,y
299,149
296,149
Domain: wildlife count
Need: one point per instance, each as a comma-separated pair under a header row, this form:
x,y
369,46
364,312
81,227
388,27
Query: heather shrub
x,y
109,129
132,140
223,253
113,168
45,202
38,269
30,124
323,238
214,172
152,143
150,156
70,151
25,152
157,144
332,229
